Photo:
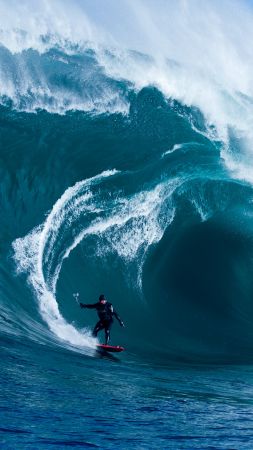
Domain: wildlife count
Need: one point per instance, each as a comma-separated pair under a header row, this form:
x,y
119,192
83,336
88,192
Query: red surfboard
x,y
110,348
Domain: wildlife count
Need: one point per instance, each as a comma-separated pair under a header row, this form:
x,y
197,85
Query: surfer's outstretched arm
x,y
89,306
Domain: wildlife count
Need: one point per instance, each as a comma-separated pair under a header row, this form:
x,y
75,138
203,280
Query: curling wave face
x,y
141,162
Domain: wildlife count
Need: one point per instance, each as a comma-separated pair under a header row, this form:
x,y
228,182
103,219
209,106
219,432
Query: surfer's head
x,y
102,298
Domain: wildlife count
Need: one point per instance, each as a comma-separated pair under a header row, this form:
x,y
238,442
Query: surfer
x,y
105,313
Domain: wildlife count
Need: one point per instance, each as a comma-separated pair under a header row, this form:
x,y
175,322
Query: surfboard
x,y
110,348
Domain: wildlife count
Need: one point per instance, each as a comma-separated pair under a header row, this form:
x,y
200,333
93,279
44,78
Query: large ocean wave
x,y
127,169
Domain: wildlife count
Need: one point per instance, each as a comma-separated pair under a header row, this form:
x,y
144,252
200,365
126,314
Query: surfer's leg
x,y
99,326
107,335
107,331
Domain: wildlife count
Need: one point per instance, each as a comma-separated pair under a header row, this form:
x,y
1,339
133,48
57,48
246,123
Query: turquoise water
x,y
126,173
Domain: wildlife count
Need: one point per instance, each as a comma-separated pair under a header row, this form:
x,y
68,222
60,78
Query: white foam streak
x,y
173,149
29,254
128,226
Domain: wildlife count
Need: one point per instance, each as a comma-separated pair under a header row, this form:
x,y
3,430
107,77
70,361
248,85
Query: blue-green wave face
x,y
126,168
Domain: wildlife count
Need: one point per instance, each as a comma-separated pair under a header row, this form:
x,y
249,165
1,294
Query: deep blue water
x,y
55,398
111,187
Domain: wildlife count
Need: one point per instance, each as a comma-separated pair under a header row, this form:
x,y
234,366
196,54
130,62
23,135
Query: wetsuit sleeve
x,y
89,306
115,314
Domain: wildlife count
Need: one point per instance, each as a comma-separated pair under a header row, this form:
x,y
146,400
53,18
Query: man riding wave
x,y
105,313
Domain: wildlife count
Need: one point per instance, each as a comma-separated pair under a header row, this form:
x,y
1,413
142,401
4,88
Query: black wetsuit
x,y
105,313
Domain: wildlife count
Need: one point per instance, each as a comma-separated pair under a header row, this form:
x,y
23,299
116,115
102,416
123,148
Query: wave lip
x,y
92,66
58,83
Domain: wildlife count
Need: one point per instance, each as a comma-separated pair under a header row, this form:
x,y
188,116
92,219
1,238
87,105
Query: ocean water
x,y
126,168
